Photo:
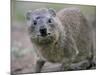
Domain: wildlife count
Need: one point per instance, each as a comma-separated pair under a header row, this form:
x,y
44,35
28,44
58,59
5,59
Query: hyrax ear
x,y
52,12
28,15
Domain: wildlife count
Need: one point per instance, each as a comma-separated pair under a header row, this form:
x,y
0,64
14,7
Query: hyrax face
x,y
42,26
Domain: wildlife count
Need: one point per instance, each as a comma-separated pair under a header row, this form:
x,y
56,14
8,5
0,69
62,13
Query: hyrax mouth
x,y
49,39
45,40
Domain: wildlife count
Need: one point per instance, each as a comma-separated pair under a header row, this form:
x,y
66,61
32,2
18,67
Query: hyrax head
x,y
42,25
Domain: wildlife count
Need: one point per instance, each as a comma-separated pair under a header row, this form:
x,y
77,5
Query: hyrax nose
x,y
43,32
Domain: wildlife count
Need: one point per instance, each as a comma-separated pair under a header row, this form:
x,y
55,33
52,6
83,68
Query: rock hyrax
x,y
62,37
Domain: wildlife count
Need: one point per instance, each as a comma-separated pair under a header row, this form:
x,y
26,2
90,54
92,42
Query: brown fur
x,y
73,38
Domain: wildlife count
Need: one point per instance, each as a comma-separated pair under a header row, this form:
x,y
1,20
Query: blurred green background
x,y
22,53
20,8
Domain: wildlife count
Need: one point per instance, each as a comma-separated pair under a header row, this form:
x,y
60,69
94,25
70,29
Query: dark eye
x,y
35,22
49,20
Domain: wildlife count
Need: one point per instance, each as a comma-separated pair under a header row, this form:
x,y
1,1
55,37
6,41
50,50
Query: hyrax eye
x,y
49,20
35,22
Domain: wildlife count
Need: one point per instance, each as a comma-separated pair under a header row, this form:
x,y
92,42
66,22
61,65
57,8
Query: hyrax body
x,y
62,37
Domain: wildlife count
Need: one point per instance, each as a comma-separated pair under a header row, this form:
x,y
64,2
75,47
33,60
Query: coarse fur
x,y
68,37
